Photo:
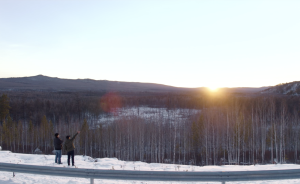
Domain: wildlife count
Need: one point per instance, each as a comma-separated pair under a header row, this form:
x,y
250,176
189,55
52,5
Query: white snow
x,y
113,163
172,115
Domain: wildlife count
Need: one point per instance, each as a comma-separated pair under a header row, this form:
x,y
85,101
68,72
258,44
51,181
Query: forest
x,y
226,128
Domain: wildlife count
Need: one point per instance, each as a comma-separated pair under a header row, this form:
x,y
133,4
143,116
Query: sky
x,y
194,43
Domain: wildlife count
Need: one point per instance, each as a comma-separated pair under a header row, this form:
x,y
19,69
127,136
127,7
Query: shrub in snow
x,y
167,160
37,151
92,159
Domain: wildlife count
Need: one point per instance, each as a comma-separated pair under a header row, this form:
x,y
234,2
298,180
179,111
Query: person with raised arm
x,y
69,147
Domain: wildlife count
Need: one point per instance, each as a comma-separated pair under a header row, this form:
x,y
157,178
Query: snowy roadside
x,y
115,164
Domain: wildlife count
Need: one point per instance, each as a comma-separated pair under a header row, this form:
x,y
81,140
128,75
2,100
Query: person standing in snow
x,y
69,147
57,147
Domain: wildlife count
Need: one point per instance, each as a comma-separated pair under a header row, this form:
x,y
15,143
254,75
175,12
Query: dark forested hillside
x,y
291,88
44,83
187,128
53,84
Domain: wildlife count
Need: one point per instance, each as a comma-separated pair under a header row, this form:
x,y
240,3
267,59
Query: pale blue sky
x,y
238,43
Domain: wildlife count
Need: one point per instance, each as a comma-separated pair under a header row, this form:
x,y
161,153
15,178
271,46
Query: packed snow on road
x,y
115,164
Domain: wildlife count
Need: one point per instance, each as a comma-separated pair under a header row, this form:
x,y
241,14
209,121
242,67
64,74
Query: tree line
x,y
227,129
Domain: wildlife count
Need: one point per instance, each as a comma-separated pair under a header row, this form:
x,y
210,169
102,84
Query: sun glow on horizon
x,y
213,88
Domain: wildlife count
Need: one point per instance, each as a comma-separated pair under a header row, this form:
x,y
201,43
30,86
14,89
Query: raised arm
x,y
74,136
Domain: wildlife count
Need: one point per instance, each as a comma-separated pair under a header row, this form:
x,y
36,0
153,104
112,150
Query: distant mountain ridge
x,y
291,88
45,83
41,82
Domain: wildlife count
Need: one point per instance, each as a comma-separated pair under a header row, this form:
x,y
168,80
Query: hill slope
x,y
291,88
41,83
44,83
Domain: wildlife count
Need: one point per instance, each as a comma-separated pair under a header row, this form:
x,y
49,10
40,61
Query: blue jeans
x,y
58,156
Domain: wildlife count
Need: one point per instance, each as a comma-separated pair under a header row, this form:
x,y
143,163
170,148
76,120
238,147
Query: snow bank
x,y
113,163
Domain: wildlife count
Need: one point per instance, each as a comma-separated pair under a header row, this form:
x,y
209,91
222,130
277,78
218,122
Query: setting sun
x,y
213,88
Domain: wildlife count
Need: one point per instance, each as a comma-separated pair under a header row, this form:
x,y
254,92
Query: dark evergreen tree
x,y
4,107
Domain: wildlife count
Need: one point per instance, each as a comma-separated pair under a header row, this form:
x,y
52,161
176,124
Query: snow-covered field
x,y
178,115
113,163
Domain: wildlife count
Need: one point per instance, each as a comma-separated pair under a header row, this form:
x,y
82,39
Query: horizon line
x,y
142,82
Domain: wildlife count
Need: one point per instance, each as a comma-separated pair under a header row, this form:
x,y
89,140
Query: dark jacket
x,y
69,144
58,143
